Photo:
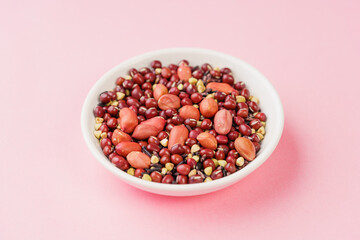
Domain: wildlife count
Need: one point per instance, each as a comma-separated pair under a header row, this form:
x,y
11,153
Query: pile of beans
x,y
179,124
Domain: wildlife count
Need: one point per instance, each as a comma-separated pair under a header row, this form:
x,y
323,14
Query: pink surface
x,y
52,52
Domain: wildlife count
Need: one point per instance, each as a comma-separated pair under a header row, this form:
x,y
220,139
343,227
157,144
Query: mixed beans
x,y
179,124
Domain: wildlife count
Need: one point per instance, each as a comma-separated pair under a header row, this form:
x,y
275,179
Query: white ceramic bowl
x,y
258,85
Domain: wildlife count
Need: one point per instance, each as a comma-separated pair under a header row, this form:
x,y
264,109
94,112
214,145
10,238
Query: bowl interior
x,y
258,85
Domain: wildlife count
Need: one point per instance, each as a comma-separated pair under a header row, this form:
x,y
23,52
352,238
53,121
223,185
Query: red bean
x,y
150,102
230,167
198,74
245,129
190,122
191,162
104,97
119,81
206,124
153,140
165,159
151,112
195,179
177,119
183,95
113,111
143,144
239,85
99,112
230,104
164,152
217,174
190,142
168,179
151,147
227,78
207,152
169,127
220,96
257,146
120,162
112,122
206,67
261,116
239,120
141,118
255,124
183,169
138,78
233,153
196,97
150,77
177,149
225,70
220,155
186,101
105,142
174,91
128,84
165,72
213,132
139,172
222,139
231,159
181,179
245,93
253,106
107,150
209,163
155,64
233,135
156,176
194,134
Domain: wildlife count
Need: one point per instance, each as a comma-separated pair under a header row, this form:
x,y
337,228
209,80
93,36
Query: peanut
x,y
189,111
124,148
150,127
184,71
222,87
207,140
223,122
245,148
168,101
138,160
208,107
128,120
159,90
119,136
178,135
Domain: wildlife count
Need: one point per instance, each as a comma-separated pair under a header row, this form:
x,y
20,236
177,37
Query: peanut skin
x,y
178,135
128,120
222,87
159,90
124,148
184,72
208,107
207,140
189,111
168,101
119,136
138,160
223,122
245,148
148,128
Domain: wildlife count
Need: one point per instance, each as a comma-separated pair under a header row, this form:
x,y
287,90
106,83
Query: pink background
x,y
52,52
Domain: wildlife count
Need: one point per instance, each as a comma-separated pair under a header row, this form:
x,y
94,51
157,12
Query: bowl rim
x,y
204,186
